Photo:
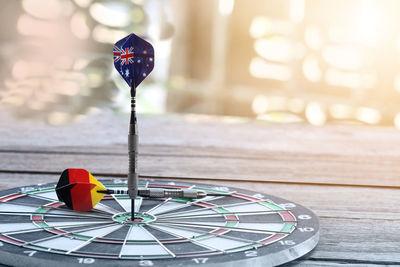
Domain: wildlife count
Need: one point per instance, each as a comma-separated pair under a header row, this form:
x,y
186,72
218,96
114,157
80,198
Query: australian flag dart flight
x,y
133,59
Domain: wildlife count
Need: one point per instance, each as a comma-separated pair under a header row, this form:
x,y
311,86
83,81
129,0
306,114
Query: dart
x,y
134,60
81,191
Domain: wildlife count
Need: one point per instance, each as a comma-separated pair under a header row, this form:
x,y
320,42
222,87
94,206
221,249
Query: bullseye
x,y
140,218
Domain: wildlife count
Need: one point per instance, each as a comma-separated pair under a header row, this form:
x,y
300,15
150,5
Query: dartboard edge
x,y
244,228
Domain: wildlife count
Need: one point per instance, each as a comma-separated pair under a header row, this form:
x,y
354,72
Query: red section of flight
x,y
80,193
78,176
81,196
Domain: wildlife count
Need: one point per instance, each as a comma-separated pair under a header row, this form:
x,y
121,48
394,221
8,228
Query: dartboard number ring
x,y
241,227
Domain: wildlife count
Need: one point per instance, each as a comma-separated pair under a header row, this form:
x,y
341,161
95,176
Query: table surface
x,y
348,175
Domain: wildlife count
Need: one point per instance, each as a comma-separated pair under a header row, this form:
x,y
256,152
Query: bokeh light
x,y
330,61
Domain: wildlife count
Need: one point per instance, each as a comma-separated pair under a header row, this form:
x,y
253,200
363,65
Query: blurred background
x,y
318,61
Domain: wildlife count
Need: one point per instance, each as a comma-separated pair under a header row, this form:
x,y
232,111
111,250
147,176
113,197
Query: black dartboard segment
x,y
244,228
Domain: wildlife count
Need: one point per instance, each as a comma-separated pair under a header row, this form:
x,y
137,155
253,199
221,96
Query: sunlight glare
x,y
260,104
274,49
368,115
369,24
114,14
315,114
260,26
311,69
225,7
261,68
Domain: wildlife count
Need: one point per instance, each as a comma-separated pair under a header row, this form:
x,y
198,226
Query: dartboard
x,y
240,228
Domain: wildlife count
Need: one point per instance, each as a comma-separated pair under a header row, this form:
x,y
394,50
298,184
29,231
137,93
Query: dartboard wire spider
x,y
218,206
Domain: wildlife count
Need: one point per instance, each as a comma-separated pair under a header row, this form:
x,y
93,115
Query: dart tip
x,y
133,209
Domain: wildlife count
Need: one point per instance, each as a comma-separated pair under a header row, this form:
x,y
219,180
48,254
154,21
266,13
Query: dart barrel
x,y
163,193
160,193
132,152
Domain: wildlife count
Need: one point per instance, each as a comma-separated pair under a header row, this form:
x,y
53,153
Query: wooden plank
x,y
290,168
108,129
212,147
358,225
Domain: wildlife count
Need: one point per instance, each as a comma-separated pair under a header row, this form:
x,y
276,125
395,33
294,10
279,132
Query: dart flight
x,y
133,59
79,190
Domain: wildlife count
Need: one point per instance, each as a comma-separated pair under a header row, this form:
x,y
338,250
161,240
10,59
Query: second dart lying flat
x,y
80,191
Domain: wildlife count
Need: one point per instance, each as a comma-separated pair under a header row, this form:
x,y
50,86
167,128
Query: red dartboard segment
x,y
11,240
287,216
10,197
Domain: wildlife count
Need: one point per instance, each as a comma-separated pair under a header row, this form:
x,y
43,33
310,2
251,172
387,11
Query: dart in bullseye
x,y
134,60
77,188
80,191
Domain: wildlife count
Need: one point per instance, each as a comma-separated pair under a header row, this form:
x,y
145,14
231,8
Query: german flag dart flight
x,y
77,188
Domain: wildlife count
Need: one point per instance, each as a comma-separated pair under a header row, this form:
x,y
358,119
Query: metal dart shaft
x,y
133,152
165,193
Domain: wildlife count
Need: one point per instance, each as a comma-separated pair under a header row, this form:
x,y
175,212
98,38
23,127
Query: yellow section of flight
x,y
96,197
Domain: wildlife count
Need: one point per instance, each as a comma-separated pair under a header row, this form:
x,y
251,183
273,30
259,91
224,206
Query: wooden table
x,y
348,175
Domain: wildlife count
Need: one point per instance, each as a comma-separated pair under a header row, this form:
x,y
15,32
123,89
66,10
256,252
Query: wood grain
x,y
222,164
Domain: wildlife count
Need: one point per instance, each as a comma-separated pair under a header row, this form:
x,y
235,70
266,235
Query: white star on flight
x,y
127,73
